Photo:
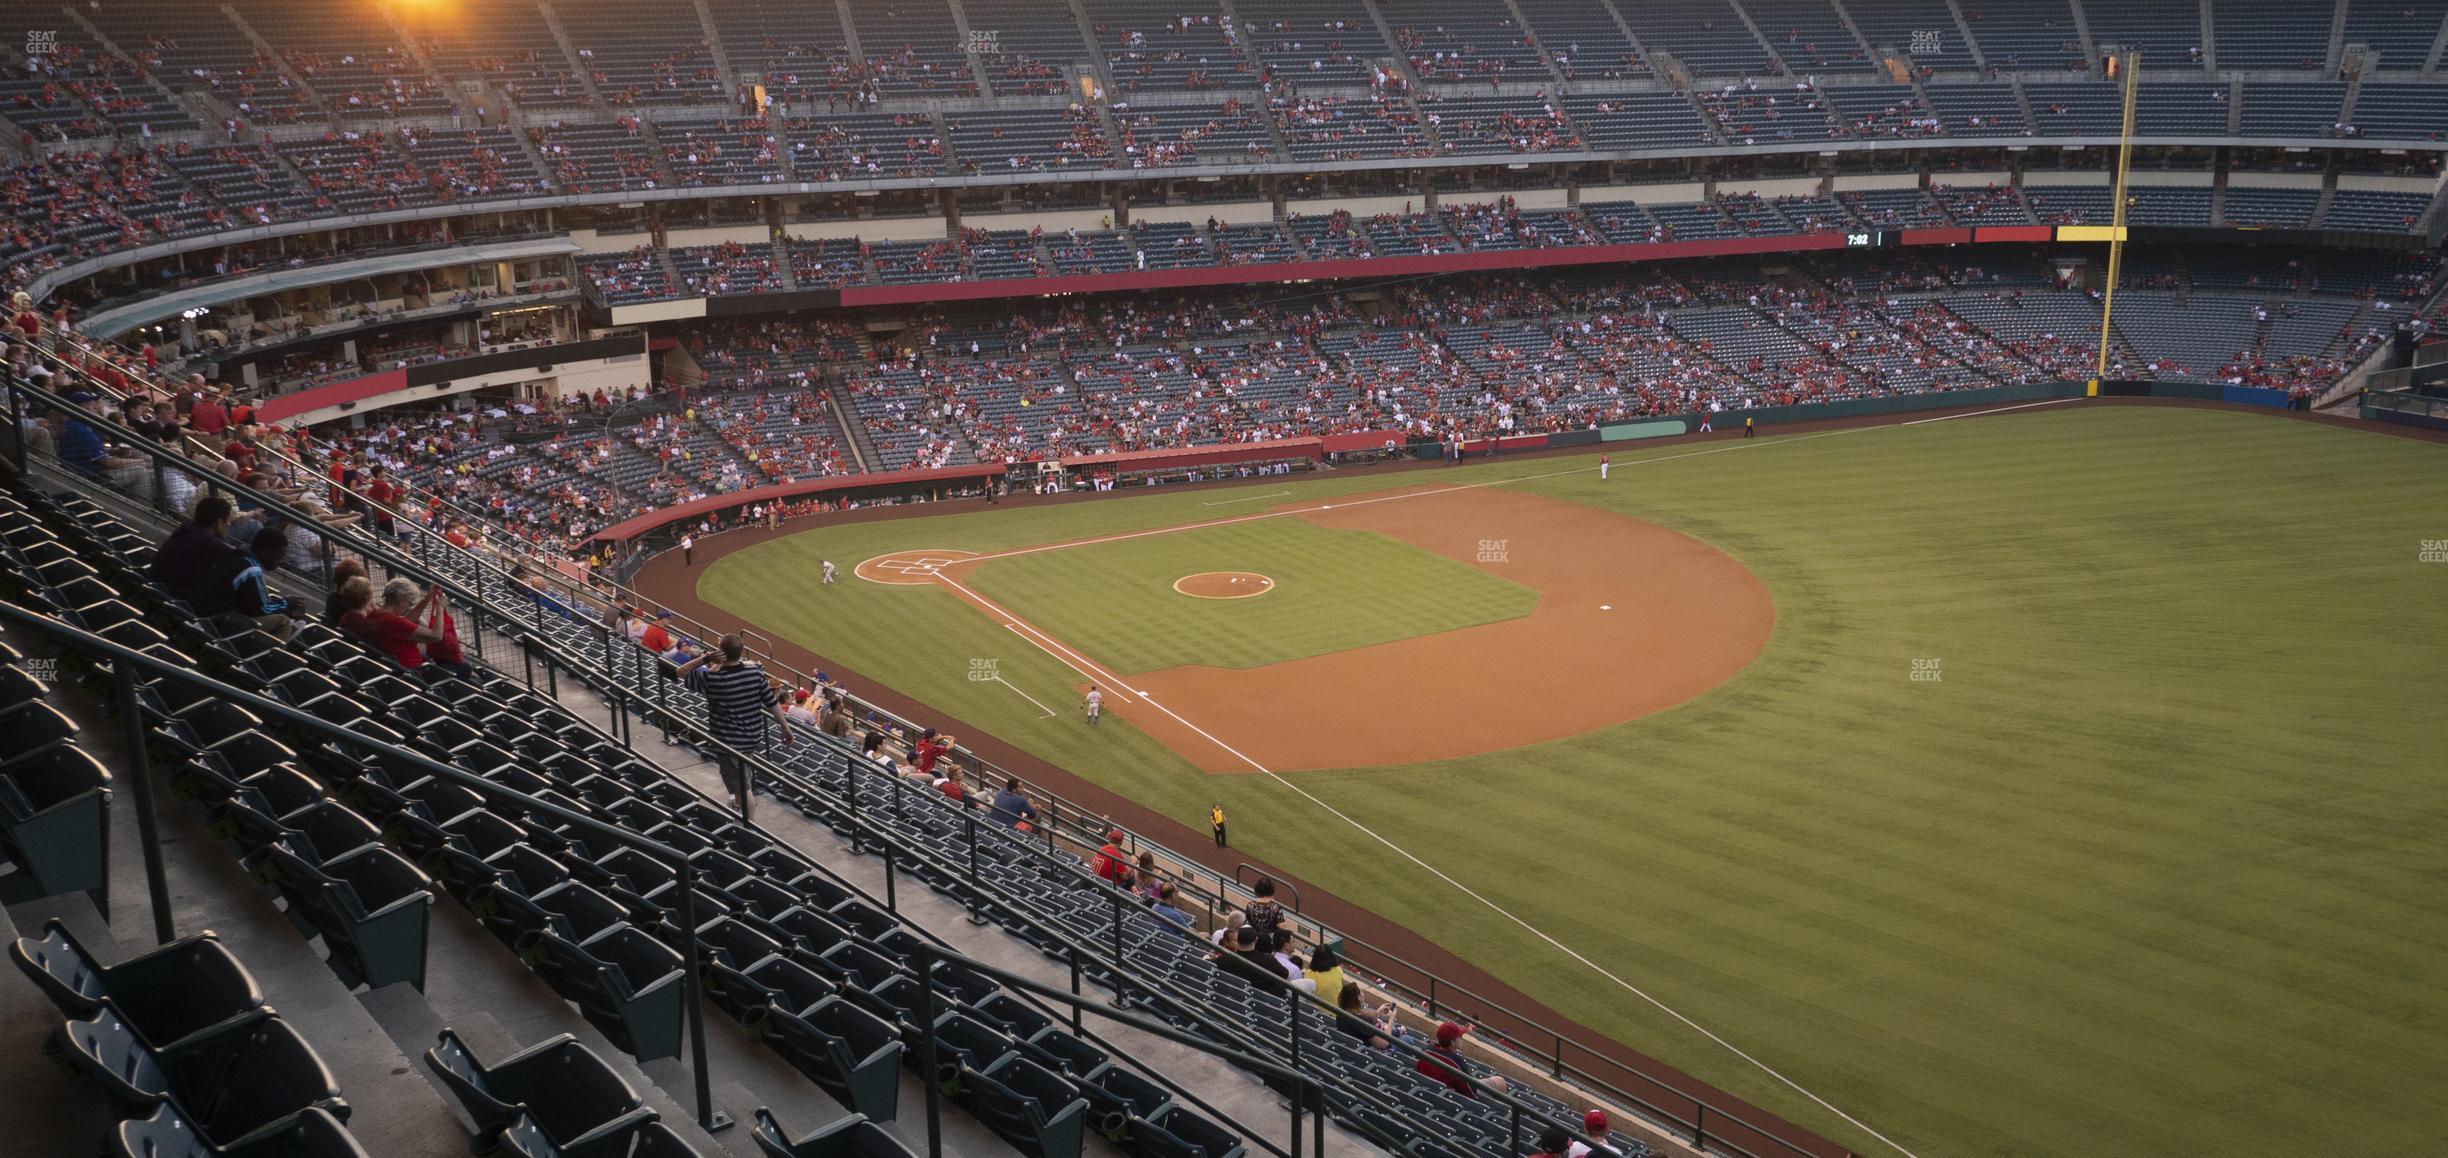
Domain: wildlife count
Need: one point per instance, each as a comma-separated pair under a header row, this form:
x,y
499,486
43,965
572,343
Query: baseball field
x,y
2066,781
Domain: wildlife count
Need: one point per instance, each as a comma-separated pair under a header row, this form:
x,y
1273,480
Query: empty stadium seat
x,y
249,1082
852,1137
314,1133
189,989
1034,1108
576,1101
55,817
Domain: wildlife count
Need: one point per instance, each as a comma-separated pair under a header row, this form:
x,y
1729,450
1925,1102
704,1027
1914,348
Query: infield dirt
x,y
1631,619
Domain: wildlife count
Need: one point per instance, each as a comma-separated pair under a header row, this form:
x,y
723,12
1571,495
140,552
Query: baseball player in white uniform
x,y
828,570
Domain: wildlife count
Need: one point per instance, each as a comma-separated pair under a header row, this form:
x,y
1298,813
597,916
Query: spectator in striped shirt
x,y
740,704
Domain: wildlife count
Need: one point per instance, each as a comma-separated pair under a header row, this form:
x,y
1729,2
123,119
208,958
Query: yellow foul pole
x,y
2132,62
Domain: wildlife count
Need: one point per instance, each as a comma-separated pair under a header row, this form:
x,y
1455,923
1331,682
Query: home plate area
x,y
909,568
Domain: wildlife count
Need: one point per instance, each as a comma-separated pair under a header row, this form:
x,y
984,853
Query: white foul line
x,y
1049,712
1249,499
1016,624
1041,639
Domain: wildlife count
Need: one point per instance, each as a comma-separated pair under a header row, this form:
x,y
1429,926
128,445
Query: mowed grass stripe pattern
x,y
2152,866
1334,590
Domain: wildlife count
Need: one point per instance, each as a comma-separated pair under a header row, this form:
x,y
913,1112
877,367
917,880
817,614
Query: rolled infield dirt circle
x,y
1224,585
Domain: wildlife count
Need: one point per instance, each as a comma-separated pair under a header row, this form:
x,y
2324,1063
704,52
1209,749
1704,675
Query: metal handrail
x,y
1695,1122
129,660
126,660
537,645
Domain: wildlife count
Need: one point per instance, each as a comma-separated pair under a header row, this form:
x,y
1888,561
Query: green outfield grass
x,y
1115,601
2154,866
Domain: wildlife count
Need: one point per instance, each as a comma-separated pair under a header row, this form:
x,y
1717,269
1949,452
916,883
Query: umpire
x,y
740,702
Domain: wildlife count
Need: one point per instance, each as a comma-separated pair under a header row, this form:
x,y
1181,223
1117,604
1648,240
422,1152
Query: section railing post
x,y
923,956
858,826
694,997
1292,999
148,826
1072,954
969,821
1700,1127
891,903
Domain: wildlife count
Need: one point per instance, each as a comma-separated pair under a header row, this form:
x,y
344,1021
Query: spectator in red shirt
x,y
1109,864
655,639
395,624
930,749
209,416
1442,1062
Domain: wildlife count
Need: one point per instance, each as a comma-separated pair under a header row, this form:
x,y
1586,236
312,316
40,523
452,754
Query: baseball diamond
x,y
1765,689
1224,578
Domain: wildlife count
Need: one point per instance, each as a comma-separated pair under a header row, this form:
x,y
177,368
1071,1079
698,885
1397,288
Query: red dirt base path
x,y
1632,618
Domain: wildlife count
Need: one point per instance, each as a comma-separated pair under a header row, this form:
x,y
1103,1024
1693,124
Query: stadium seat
x,y
371,907
189,989
850,1052
1178,1133
575,1101
237,1086
852,1137
1035,1109
312,1134
55,818
627,984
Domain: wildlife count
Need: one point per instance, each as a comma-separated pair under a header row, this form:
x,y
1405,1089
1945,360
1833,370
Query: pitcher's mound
x,y
1224,585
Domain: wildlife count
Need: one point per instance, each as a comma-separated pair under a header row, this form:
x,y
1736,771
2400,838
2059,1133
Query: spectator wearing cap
x,y
654,638
1555,1142
1601,1141
1110,864
1442,1062
798,711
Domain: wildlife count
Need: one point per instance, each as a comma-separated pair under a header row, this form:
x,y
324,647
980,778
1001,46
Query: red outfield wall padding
x,y
795,490
1516,442
1956,236
2022,233
1363,440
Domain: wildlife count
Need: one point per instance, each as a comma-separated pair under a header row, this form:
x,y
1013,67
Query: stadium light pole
x,y
2131,61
